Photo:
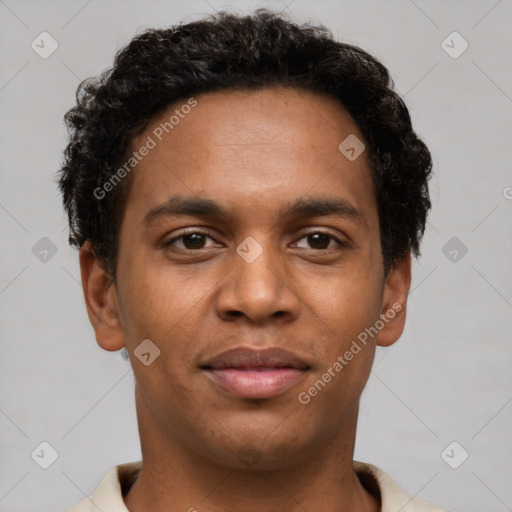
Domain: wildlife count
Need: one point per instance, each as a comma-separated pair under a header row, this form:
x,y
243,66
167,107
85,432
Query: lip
x,y
256,374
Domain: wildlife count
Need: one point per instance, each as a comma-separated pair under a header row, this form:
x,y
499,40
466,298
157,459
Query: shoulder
x,y
108,497
393,498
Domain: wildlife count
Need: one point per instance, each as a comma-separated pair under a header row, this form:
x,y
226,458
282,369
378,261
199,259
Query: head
x,y
217,204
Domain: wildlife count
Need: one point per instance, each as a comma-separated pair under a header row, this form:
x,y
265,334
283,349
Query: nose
x,y
258,291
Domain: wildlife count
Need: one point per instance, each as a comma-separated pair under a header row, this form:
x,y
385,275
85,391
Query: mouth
x,y
255,374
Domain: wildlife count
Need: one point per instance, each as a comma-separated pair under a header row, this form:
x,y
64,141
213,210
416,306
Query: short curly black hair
x,y
227,51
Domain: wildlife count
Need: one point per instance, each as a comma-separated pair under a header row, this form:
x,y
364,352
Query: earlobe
x,y
394,303
100,300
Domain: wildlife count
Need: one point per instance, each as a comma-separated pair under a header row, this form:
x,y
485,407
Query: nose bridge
x,y
259,275
257,286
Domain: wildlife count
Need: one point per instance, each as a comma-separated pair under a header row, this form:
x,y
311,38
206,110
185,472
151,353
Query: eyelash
x,y
209,235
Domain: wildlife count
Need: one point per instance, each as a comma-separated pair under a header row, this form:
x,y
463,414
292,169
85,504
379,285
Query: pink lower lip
x,y
256,383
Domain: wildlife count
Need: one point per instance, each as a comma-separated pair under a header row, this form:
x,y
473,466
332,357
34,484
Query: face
x,y
250,256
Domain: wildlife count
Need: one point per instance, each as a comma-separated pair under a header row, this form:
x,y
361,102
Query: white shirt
x,y
108,497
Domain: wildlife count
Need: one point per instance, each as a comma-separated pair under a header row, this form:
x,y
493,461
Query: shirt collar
x,y
108,497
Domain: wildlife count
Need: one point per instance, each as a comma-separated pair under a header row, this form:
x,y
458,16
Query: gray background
x,y
448,378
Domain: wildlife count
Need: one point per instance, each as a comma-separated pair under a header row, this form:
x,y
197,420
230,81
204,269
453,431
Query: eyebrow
x,y
208,208
192,206
318,207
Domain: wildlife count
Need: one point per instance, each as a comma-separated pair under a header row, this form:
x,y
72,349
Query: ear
x,y
101,300
394,302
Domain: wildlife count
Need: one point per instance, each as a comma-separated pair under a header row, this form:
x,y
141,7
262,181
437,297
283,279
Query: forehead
x,y
251,148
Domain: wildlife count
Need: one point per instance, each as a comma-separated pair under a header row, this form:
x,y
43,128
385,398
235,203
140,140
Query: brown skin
x,y
254,152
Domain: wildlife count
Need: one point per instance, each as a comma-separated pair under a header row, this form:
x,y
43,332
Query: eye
x,y
196,240
189,241
320,240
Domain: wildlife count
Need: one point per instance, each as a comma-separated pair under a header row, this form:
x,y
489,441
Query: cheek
x,y
347,349
346,301
344,305
159,300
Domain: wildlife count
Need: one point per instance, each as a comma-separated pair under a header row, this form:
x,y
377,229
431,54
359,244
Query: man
x,y
246,195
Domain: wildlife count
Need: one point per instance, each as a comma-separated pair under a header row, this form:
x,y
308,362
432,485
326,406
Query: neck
x,y
175,476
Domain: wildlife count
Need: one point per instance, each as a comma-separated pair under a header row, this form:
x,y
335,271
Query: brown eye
x,y
319,240
194,241
190,241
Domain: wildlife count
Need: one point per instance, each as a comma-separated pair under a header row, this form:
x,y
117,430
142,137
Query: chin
x,y
253,458
255,450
